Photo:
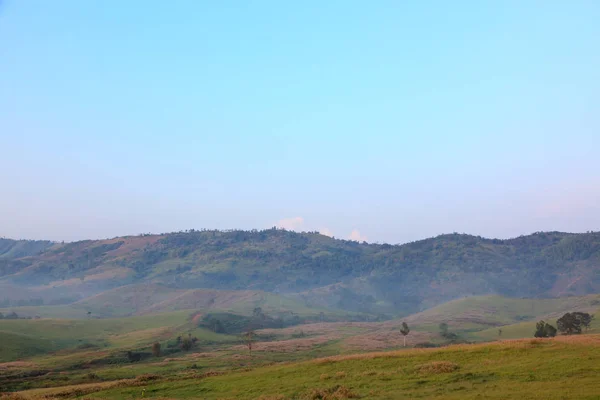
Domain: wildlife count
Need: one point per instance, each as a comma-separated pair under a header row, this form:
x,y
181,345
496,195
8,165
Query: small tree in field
x,y
156,349
570,323
584,318
187,343
405,330
544,330
444,329
249,339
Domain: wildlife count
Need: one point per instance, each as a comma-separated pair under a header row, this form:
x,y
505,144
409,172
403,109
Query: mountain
x,y
10,249
308,267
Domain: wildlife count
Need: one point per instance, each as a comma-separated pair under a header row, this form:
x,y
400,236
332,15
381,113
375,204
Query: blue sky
x,y
385,120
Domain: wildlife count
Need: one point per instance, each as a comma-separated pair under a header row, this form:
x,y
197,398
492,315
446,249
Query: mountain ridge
x,y
314,268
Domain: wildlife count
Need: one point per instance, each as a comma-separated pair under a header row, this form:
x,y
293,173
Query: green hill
x,y
143,299
313,269
486,312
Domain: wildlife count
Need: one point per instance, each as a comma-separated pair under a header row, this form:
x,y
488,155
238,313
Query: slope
x,y
510,369
483,312
317,270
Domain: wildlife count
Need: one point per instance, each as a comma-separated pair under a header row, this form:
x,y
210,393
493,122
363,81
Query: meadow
x,y
558,368
112,357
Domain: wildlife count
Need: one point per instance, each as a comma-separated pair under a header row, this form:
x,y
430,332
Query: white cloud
x,y
326,232
291,224
356,236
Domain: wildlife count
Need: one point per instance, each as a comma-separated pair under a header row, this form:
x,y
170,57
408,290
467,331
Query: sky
x,y
385,121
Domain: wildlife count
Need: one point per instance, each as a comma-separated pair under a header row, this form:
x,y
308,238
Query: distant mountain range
x,y
309,268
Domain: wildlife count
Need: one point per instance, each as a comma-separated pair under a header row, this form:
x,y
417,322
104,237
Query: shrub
x,y
544,330
425,345
334,393
187,344
156,349
437,367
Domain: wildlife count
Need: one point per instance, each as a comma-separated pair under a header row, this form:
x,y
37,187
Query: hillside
x,y
481,312
314,269
559,368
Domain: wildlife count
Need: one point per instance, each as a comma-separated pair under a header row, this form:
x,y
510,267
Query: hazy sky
x,y
386,120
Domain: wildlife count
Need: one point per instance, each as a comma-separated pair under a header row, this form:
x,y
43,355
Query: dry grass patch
x,y
286,346
17,365
437,367
334,393
383,339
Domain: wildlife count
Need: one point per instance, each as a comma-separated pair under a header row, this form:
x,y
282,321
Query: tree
x,y
12,315
550,330
187,343
156,349
585,318
249,339
217,325
544,330
569,324
1,316
499,332
444,329
405,330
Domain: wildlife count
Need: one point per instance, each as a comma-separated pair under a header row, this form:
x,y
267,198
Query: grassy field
x,y
21,338
50,356
479,313
144,299
560,368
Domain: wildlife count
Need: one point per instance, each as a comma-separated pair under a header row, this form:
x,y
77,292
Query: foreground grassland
x,y
88,358
559,368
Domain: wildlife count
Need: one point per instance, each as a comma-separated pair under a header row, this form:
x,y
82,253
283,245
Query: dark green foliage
x,y
574,322
449,336
544,330
569,324
133,356
443,329
405,330
216,325
187,343
425,345
234,324
584,318
156,349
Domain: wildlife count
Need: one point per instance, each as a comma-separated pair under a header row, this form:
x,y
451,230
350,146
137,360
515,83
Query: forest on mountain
x,y
318,270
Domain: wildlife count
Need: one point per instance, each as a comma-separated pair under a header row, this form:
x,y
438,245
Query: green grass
x,y
42,335
14,346
482,312
564,368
